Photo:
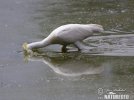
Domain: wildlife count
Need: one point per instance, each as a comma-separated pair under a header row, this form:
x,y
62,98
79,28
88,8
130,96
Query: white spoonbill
x,y
67,34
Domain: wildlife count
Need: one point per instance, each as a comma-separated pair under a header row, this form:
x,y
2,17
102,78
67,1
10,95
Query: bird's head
x,y
26,50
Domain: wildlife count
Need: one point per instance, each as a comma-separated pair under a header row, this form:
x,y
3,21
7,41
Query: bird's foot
x,y
64,50
82,47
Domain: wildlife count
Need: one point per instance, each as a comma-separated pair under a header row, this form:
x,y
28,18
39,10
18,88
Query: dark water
x,y
53,75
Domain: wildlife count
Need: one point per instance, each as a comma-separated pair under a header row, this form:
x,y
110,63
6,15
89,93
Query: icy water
x,y
52,75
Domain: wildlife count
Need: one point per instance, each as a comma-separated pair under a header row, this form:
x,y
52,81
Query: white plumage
x,y
68,34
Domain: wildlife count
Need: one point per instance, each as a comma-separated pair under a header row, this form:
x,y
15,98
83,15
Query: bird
x,y
66,35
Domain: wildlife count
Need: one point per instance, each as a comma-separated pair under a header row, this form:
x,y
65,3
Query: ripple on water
x,y
113,45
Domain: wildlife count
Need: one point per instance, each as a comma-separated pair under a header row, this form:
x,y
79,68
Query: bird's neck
x,y
39,44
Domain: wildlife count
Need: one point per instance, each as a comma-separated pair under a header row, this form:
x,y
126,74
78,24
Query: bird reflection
x,y
71,64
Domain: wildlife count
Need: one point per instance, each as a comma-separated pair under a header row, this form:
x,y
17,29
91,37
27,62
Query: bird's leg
x,y
64,49
82,46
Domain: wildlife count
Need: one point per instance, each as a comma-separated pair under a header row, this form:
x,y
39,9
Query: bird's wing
x,y
73,33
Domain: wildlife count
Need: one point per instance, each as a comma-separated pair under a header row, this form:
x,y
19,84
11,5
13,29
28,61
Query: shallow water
x,y
52,75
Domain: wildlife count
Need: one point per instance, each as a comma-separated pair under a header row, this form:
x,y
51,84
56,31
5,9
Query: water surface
x,y
53,75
